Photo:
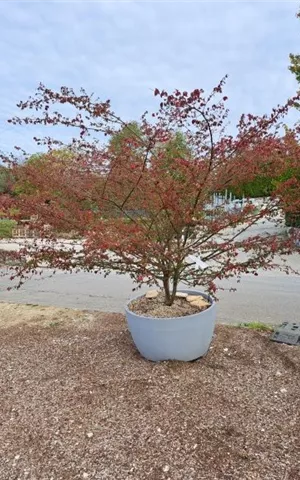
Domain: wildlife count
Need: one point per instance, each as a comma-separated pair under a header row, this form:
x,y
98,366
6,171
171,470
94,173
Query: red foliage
x,y
143,212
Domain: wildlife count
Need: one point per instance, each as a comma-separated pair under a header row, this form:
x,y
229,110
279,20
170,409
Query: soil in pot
x,y
156,308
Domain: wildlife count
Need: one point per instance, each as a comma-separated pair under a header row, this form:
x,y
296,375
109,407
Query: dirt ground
x,y
78,402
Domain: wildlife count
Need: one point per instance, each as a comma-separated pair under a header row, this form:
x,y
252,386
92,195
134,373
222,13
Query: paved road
x,y
271,297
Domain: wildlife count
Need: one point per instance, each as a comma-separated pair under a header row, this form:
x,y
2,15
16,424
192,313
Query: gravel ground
x,y
78,402
155,307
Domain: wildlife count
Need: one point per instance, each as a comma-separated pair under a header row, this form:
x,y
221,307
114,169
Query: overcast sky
x,y
123,50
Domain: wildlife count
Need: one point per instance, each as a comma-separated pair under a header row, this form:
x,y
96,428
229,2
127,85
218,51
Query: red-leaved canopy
x,y
140,196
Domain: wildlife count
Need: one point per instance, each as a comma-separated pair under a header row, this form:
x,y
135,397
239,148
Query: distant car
x,y
235,205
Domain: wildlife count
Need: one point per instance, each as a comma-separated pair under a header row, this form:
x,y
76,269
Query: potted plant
x,y
140,194
182,331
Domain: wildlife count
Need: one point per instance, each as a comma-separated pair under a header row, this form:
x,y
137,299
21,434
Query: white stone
x,y
90,434
181,295
152,294
85,475
225,349
166,468
283,390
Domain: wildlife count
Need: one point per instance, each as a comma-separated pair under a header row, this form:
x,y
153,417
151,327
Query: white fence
x,y
226,201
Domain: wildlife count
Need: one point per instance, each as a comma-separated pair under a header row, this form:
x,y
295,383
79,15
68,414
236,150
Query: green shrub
x,y
292,219
261,186
6,228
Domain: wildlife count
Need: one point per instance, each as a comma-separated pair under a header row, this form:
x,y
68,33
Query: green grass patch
x,y
261,327
6,228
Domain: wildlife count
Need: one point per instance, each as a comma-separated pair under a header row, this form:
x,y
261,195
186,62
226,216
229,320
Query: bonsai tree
x,y
140,193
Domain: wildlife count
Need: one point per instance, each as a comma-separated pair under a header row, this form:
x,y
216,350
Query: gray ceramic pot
x,y
181,338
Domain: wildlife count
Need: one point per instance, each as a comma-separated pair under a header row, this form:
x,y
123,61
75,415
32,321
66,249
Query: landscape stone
x,y
152,294
192,298
200,303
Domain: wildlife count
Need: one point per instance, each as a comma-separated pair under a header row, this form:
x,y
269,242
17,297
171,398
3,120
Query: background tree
x,y
5,180
264,185
3,176
295,62
288,185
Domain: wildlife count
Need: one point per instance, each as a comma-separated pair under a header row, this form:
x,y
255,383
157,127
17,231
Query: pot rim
x,y
212,301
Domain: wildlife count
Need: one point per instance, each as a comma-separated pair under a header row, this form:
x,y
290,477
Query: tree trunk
x,y
174,290
170,296
166,284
